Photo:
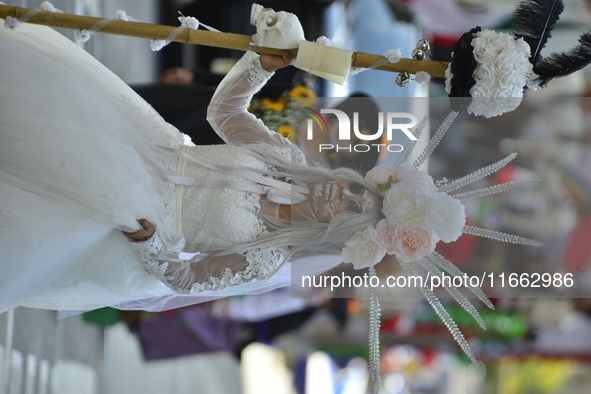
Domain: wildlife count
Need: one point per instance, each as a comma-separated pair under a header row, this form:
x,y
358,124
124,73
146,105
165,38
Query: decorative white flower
x,y
504,63
82,35
502,72
509,81
157,45
189,22
445,217
385,230
522,46
47,6
364,249
484,75
323,40
412,243
381,175
393,55
406,202
120,15
405,172
483,52
11,22
422,77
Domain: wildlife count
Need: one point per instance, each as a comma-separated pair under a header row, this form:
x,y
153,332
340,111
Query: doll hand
x,y
271,63
144,234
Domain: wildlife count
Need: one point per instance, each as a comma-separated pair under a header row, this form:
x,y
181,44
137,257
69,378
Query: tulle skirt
x,y
80,160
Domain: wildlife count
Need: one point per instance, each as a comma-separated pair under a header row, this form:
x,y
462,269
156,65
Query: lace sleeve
x,y
227,113
202,272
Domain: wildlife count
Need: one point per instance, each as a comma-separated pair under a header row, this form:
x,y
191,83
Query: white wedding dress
x,y
83,157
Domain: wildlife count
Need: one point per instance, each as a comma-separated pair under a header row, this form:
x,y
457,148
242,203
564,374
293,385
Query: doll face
x,y
334,197
276,29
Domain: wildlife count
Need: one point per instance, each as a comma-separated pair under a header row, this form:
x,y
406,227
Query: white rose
x,y
502,92
412,243
503,64
380,175
480,90
406,202
445,217
484,106
522,64
405,172
364,249
493,39
484,74
385,233
509,81
523,47
483,51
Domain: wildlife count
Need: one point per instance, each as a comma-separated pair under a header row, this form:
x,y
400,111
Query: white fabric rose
x,y
393,55
120,15
412,243
483,52
11,22
484,75
323,40
445,217
406,202
405,172
380,175
385,230
364,249
82,35
503,71
422,77
47,6
157,44
189,22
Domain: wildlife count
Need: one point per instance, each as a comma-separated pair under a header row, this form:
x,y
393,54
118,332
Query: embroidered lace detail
x,y
262,263
145,251
218,219
256,73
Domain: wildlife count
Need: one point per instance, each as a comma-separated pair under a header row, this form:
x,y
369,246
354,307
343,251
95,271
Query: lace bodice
x,y
212,218
221,218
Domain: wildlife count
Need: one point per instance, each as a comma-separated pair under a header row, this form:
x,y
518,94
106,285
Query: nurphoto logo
x,y
392,121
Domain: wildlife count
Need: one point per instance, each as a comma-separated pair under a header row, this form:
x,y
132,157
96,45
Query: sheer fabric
x,y
81,158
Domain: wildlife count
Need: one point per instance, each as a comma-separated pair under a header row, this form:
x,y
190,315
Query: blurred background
x,y
536,341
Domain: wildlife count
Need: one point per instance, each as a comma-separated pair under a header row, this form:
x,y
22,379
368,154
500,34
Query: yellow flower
x,y
287,131
276,105
303,96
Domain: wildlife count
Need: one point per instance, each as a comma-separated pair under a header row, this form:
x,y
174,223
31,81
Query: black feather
x,y
533,21
560,64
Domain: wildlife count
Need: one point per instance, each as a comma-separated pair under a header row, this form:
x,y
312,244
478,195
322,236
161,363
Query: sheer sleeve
x,y
227,113
202,272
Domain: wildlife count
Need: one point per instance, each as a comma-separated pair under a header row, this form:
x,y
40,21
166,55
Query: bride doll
x,y
100,199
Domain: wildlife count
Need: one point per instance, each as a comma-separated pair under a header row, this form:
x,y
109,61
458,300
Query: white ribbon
x,y
187,22
391,56
83,35
276,191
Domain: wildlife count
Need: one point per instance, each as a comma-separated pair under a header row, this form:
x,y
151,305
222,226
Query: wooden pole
x,y
203,37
